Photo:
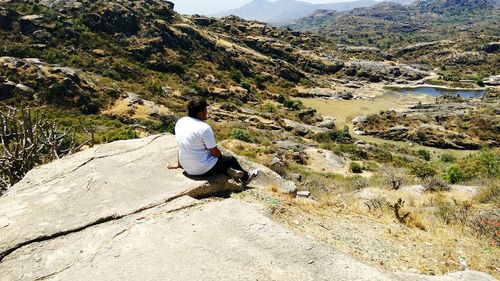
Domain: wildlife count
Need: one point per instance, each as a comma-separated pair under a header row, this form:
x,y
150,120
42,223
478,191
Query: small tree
x,y
28,140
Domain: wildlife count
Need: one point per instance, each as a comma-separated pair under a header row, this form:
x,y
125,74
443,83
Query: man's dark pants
x,y
223,164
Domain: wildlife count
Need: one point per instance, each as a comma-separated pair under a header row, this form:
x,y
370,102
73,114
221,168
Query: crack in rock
x,y
103,220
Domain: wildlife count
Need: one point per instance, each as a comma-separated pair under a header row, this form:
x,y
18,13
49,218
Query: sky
x,y
207,7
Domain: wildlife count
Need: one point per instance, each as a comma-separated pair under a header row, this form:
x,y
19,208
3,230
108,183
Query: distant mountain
x,y
288,10
388,25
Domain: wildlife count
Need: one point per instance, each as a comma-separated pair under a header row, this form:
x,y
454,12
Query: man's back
x,y
194,138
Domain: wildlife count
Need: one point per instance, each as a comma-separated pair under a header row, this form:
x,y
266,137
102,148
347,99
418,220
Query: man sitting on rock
x,y
198,152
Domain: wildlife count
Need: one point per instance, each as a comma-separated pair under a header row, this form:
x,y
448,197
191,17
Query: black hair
x,y
195,106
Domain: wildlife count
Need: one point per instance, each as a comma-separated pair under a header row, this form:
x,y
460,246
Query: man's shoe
x,y
235,174
251,175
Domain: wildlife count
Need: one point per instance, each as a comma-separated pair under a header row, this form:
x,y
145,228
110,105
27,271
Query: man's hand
x,y
175,165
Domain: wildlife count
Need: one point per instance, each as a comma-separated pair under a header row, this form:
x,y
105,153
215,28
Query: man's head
x,y
197,108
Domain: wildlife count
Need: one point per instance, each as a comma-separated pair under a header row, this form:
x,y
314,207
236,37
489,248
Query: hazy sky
x,y
205,7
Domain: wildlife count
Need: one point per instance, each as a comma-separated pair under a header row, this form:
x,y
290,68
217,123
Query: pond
x,y
436,92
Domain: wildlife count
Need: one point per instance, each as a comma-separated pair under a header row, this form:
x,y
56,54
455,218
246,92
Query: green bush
x,y
422,170
155,87
293,104
246,85
343,136
423,154
356,168
454,174
484,164
242,135
288,103
120,134
111,73
236,75
448,158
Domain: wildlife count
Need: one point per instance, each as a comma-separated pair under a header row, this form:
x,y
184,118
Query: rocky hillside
x,y
78,54
444,34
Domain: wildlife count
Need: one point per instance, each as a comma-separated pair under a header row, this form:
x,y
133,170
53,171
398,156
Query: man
x,y
198,152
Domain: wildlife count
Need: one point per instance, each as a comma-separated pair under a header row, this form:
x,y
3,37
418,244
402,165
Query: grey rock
x,y
98,184
328,123
303,194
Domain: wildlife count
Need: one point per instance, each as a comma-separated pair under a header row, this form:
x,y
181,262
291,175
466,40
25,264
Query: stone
x,y
30,23
493,47
303,194
328,123
302,129
106,173
203,21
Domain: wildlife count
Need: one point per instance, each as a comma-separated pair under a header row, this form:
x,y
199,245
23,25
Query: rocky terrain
x,y
451,123
116,70
100,219
456,37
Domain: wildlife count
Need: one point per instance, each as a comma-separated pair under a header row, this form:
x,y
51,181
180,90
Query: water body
x,y
437,92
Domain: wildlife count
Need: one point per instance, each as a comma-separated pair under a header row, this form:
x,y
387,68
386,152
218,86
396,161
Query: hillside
x,y
462,29
287,10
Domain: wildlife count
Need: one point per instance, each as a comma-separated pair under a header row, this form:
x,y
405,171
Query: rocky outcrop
x,y
443,125
37,80
378,71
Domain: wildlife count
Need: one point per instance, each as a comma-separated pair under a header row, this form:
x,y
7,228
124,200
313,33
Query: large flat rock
x,y
99,184
226,240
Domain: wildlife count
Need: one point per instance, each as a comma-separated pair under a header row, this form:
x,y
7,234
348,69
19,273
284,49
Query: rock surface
x,y
114,212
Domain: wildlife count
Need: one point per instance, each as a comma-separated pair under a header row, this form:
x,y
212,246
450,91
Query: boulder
x,y
493,47
30,23
203,21
7,17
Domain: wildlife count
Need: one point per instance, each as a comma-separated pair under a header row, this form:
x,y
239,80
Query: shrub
x,y
269,107
424,154
356,168
489,194
168,123
422,170
242,135
155,87
454,174
393,177
454,212
246,85
487,224
293,104
484,164
288,103
342,136
358,183
111,73
236,75
120,134
448,158
280,98
435,184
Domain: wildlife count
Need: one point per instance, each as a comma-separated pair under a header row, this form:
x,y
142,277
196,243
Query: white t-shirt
x,y
194,138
